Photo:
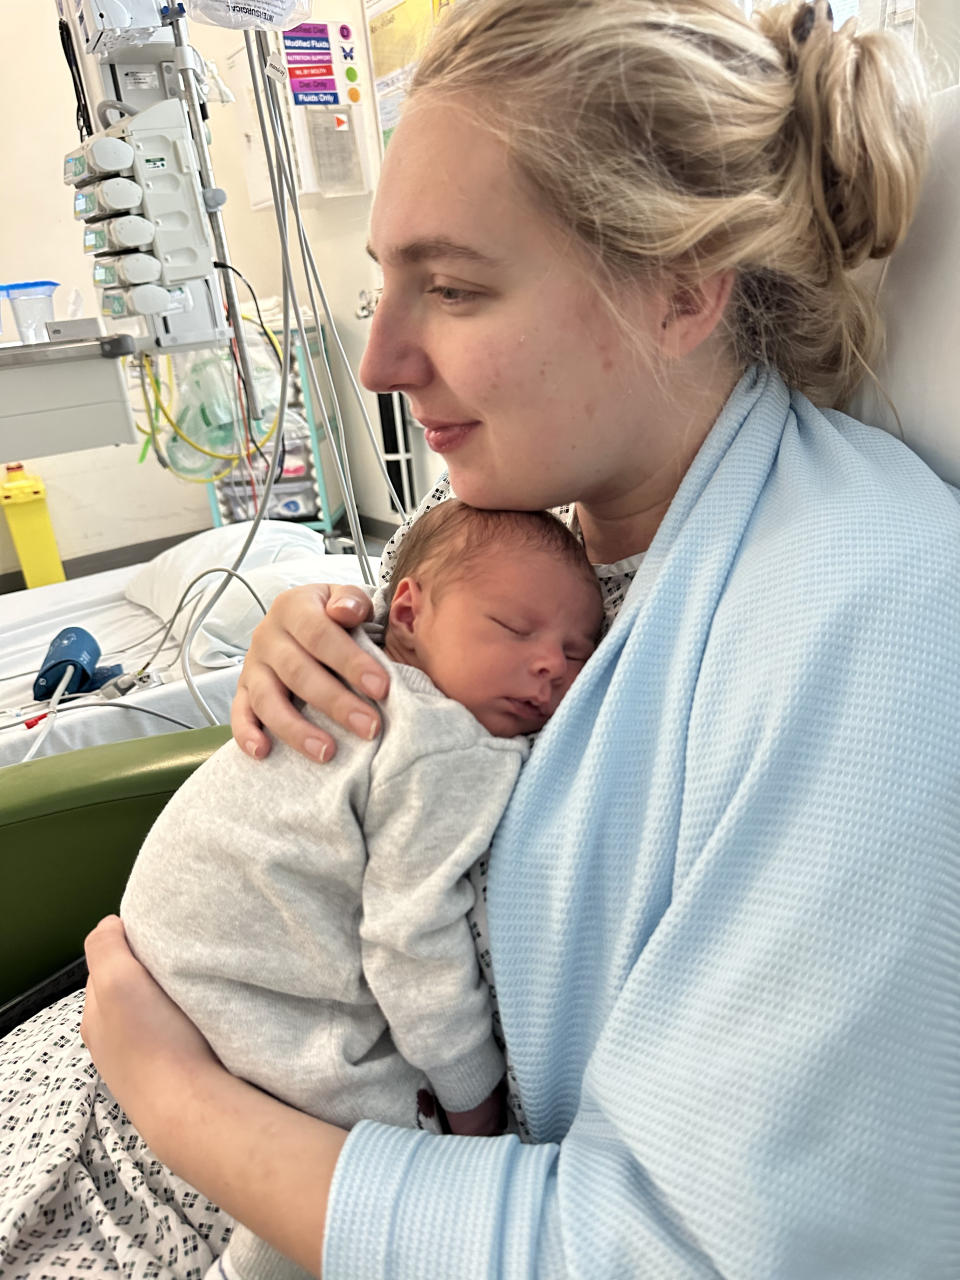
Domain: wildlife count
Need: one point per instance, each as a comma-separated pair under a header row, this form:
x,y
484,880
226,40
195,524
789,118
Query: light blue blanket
x,y
725,906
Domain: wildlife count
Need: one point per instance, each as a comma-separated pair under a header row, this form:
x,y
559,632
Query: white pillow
x,y
161,582
224,637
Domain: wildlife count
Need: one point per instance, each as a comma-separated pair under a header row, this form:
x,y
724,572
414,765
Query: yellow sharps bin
x,y
24,501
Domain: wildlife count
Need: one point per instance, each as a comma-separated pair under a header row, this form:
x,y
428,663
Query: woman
x,y
722,904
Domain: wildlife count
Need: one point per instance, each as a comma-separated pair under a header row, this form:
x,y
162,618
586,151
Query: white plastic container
x,y
32,304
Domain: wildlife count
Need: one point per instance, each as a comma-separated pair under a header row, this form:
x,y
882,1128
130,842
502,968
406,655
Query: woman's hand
x,y
304,629
143,1045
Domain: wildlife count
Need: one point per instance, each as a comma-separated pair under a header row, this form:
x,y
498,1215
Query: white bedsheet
x,y
30,619
28,622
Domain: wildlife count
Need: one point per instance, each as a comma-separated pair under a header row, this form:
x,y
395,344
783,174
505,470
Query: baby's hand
x,y
484,1121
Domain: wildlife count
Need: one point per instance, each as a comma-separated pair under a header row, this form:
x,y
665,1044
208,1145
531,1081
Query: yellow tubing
x,y
225,457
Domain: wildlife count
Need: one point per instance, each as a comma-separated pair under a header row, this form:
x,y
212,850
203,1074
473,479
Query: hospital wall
x,y
102,499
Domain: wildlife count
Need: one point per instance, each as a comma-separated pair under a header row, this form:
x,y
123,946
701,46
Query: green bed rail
x,y
70,828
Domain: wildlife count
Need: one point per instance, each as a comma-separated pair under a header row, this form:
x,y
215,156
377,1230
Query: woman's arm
x,y
265,1163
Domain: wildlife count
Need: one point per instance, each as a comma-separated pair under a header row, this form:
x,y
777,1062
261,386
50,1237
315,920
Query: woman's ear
x,y
692,312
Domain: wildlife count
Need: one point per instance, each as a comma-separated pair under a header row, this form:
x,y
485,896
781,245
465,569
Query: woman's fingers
x,y
245,726
106,942
304,629
107,954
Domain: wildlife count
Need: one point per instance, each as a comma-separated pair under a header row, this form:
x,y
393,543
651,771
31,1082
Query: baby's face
x,y
509,639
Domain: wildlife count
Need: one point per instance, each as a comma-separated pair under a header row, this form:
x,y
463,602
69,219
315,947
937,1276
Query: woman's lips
x,y
443,437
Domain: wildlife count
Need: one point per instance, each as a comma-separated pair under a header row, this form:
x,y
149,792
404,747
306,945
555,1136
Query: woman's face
x,y
523,379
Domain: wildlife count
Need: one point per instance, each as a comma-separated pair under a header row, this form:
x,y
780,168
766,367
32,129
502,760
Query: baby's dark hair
x,y
452,537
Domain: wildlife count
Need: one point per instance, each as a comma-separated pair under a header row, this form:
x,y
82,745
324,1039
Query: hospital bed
x,y
125,611
98,603
71,826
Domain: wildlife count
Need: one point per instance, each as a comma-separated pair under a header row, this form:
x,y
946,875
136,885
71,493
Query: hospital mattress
x,y
127,633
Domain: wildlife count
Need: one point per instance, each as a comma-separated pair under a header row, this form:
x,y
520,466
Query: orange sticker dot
x,y
353,95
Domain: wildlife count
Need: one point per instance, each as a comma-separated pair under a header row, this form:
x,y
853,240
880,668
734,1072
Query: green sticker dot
x,y
352,74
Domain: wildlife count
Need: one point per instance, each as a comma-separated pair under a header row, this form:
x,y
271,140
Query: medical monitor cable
x,y
285,169
279,203
274,164
86,706
289,299
258,518
186,599
311,273
310,268
52,713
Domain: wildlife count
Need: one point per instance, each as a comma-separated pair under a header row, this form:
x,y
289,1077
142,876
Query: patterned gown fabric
x,y
81,1194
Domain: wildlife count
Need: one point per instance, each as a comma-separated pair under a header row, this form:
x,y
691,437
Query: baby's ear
x,y
405,607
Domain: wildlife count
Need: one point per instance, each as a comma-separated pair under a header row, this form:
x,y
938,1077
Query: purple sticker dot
x,y
345,32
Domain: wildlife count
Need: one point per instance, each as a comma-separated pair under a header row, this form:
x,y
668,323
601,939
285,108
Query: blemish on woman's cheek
x,y
608,364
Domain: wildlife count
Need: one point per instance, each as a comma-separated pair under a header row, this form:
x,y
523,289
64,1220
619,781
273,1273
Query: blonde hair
x,y
678,139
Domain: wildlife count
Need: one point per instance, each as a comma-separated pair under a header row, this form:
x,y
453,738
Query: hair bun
x,y
859,119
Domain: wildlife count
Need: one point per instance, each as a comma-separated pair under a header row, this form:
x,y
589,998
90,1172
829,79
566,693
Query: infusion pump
x,y
138,200
145,200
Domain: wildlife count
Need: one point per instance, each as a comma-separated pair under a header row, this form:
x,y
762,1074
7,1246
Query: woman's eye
x,y
447,293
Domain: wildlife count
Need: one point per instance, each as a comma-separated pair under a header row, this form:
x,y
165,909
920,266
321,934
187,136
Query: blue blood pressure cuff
x,y
71,647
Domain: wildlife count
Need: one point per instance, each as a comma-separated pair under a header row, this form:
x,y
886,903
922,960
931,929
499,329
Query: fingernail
x,y
317,749
362,725
351,603
252,749
373,685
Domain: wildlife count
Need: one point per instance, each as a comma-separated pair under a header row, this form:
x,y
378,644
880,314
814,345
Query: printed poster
x,y
399,30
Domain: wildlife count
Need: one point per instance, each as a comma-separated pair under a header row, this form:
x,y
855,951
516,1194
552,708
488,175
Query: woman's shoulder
x,y
854,502
852,533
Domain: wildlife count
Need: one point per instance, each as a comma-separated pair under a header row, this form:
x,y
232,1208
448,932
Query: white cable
x,y
286,169
311,274
310,268
377,447
275,170
267,490
130,706
91,706
192,626
279,207
185,599
51,714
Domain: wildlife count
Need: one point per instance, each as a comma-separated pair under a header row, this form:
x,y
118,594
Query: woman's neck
x,y
620,519
608,538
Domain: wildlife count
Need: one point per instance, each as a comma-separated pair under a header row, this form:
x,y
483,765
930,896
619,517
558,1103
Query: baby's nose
x,y
550,662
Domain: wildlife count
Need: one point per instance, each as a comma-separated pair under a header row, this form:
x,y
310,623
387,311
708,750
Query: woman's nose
x,y
393,359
